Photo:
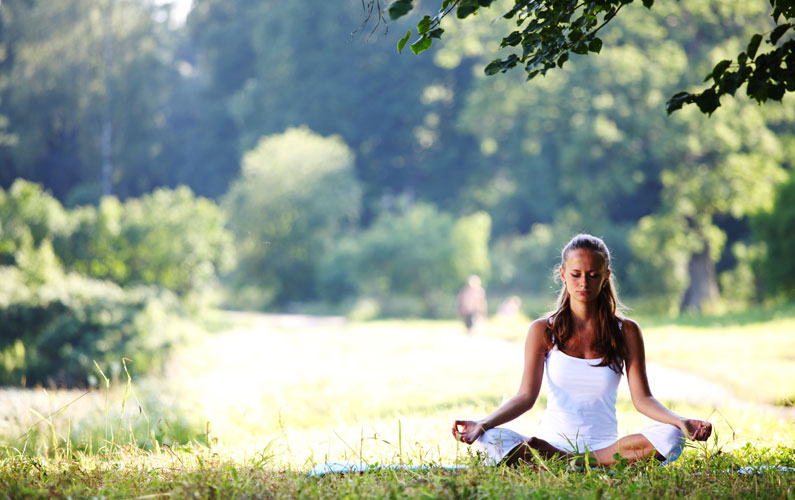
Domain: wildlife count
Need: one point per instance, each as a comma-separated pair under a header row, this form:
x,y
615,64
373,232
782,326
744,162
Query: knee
x,y
670,442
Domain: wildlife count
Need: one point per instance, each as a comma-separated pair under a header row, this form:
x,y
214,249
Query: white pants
x,y
496,443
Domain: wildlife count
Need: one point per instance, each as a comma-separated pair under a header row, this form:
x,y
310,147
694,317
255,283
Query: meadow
x,y
248,410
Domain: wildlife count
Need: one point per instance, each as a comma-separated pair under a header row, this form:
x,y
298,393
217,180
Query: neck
x,y
582,313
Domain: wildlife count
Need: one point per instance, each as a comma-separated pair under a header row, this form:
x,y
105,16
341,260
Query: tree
x,y
56,82
260,79
774,230
296,195
548,31
589,148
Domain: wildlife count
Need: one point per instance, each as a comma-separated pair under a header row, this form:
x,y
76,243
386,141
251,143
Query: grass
x,y
247,412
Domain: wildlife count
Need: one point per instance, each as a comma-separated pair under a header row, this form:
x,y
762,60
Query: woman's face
x,y
584,274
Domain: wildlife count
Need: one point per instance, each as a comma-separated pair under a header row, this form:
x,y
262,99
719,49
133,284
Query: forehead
x,y
585,260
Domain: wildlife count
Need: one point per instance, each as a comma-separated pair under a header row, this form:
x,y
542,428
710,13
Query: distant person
x,y
584,346
510,307
471,304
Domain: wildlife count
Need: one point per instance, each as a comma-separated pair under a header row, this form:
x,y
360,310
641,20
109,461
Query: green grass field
x,y
249,409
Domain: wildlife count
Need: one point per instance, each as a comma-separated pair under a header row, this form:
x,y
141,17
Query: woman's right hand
x,y
467,431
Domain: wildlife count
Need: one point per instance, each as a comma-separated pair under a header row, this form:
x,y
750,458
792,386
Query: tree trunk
x,y
106,141
703,287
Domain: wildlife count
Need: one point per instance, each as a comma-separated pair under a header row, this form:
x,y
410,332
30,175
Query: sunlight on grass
x,y
384,392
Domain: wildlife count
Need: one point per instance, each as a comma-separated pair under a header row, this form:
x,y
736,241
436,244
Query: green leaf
x,y
719,68
729,82
437,33
757,87
424,25
402,41
580,48
400,8
421,45
753,45
779,32
493,67
677,100
503,65
562,59
648,3
595,45
708,101
511,40
776,91
466,8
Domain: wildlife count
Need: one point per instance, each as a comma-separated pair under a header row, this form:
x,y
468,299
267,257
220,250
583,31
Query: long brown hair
x,y
609,343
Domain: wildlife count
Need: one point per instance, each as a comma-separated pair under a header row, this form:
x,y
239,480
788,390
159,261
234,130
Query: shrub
x,y
412,263
169,238
54,331
28,216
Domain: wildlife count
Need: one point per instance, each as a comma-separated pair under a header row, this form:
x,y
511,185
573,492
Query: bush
x,y
54,323
54,331
411,263
169,238
28,216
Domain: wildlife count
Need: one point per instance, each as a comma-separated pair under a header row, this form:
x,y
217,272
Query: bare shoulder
x,y
630,327
632,335
536,334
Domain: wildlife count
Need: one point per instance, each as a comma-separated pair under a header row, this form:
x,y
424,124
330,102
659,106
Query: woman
x,y
584,347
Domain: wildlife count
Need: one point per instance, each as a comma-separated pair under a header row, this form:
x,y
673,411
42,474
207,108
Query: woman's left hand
x,y
697,430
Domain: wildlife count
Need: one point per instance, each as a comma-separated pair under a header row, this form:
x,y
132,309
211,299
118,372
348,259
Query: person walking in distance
x,y
471,304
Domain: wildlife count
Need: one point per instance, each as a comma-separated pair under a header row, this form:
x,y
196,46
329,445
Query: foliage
x,y
261,79
418,252
589,144
773,230
57,80
56,322
526,263
768,75
548,31
296,196
53,329
169,238
586,148
28,217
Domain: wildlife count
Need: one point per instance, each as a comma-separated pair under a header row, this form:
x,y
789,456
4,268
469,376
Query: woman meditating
x,y
584,346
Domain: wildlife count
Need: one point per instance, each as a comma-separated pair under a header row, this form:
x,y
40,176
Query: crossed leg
x,y
633,447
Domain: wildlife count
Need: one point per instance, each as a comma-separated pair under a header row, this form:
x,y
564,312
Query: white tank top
x,y
581,403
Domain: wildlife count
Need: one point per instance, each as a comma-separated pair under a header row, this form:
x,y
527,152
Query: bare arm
x,y
534,353
639,389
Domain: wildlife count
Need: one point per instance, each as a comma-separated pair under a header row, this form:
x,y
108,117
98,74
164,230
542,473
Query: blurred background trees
x,y
264,156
